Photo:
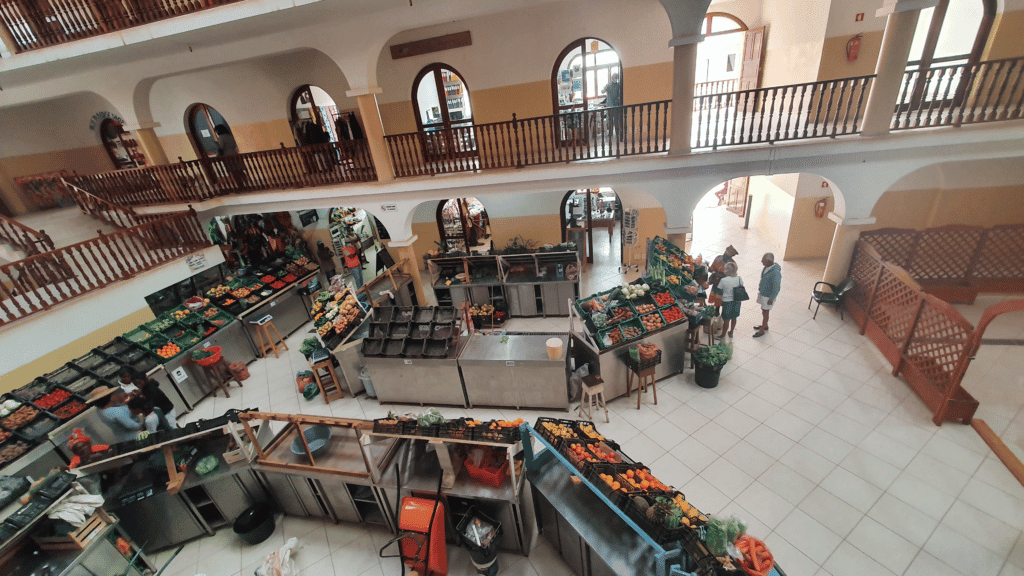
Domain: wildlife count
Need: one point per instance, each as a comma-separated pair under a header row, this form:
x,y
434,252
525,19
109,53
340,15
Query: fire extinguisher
x,y
819,208
853,48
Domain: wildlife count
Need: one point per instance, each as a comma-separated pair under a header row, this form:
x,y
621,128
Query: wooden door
x,y
754,45
736,196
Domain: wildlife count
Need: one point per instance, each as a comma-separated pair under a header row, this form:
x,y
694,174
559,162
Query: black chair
x,y
834,297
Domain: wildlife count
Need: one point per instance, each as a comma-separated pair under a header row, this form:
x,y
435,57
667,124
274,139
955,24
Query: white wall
x,y
771,211
60,124
38,335
501,55
956,175
842,17
796,33
749,11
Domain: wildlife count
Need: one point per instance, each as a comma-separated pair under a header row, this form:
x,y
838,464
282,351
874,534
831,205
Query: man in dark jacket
x,y
768,290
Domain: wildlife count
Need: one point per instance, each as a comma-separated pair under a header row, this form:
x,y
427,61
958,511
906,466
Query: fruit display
x,y
506,424
620,314
9,453
268,279
161,324
252,299
4,435
325,329
593,452
692,289
229,301
612,483
218,291
673,279
599,320
210,312
589,432
180,314
614,337
631,291
53,398
289,278
676,262
630,332
209,331
277,285
652,321
19,418
302,261
663,299
642,479
672,314
70,409
169,350
485,310
646,308
552,430
241,292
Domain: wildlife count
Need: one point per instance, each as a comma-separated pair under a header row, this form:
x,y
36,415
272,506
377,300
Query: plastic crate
x,y
39,427
705,563
116,346
661,290
619,496
549,435
656,313
611,313
642,364
578,427
89,361
490,475
83,385
36,388
188,340
658,532
52,399
584,464
456,430
372,346
161,323
485,433
388,426
413,428
8,424
634,323
605,337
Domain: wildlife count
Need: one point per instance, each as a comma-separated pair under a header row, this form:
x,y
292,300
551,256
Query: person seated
x,y
83,449
150,390
114,413
152,417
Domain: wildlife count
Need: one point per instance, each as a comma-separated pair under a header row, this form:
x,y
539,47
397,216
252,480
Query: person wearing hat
x,y
717,272
82,448
114,413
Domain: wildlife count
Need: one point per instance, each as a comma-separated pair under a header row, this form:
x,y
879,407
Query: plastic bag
x,y
722,533
75,510
280,563
311,391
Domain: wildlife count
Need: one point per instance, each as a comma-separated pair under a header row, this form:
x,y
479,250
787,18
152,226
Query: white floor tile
x,y
716,437
764,504
931,501
786,483
982,528
850,561
749,458
807,463
827,445
830,511
994,502
962,553
851,489
808,535
927,565
729,479
883,545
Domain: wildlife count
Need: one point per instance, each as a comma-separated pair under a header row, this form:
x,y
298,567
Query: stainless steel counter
x,y
671,341
514,371
287,308
424,381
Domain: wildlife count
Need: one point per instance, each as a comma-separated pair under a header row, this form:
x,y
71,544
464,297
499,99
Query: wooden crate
x,y
77,539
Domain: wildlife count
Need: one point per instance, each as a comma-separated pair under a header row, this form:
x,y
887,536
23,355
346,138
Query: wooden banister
x,y
26,239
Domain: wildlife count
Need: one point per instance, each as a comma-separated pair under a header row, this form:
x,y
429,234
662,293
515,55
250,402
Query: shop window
x,y
209,132
582,74
315,118
124,152
441,98
463,224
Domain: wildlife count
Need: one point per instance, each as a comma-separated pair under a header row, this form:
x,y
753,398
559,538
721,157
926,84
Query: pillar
x,y
146,136
841,253
8,47
892,62
684,74
677,236
400,249
373,129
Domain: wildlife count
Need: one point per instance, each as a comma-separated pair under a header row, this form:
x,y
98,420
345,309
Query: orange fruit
x,y
616,486
630,473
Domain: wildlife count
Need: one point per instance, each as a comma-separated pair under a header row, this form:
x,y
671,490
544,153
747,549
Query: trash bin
x,y
364,377
256,524
480,534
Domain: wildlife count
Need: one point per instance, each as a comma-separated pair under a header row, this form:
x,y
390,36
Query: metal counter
x,y
236,347
288,309
422,381
515,373
672,343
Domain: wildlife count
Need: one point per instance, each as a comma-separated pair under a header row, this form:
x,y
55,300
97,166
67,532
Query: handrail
x,y
33,24
24,238
41,281
100,209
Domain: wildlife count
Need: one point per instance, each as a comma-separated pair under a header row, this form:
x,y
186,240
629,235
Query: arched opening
x,y
444,113
587,75
730,57
124,152
950,34
315,118
583,211
209,132
463,225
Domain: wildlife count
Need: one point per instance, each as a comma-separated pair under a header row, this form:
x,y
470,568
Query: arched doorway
x,y
463,224
583,211
123,150
720,57
315,118
441,99
581,75
209,132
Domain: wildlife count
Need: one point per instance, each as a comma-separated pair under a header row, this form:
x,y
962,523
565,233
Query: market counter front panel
x,y
288,310
515,371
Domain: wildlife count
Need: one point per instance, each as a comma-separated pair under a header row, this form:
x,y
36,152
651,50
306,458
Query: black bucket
x,y
706,376
485,558
256,524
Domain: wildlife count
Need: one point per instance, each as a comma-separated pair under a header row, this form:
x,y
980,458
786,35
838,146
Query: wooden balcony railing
x,y
106,211
199,180
24,238
716,87
963,93
779,113
44,280
36,24
585,135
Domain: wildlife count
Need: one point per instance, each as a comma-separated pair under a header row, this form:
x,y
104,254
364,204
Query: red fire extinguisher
x,y
853,48
819,208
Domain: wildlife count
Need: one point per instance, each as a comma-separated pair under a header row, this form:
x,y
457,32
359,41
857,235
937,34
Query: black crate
x,y
642,364
413,428
378,329
15,440
399,329
383,314
435,348
107,371
64,375
393,347
501,435
413,348
386,426
89,361
555,441
420,330
37,429
704,562
404,314
33,390
618,497
372,346
658,532
456,430
7,424
84,384
424,314
584,465
116,346
443,314
442,330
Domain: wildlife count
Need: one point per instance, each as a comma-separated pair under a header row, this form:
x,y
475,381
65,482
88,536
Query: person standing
x,y
150,391
613,101
717,272
768,290
326,260
730,306
352,260
115,414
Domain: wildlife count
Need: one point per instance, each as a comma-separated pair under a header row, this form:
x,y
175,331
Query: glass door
x,y
444,112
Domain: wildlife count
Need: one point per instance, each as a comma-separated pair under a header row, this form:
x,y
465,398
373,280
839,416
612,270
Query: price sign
x,y
179,375
509,363
206,344
408,362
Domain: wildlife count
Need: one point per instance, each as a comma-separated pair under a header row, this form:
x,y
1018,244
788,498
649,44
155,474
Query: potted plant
x,y
708,362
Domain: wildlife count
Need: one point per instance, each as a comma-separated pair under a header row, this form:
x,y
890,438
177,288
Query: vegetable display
x,y
53,398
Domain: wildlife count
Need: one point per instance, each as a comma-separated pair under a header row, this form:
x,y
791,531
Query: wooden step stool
x,y
327,380
219,376
266,341
645,378
593,394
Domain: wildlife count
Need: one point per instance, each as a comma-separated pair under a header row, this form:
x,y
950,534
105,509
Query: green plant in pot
x,y
708,362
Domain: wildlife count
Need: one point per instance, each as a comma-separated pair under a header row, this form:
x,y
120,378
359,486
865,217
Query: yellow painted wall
x,y
809,236
85,160
544,229
921,209
50,362
1005,41
833,56
249,137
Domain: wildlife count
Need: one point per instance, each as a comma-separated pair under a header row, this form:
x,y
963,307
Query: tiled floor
x,y
831,460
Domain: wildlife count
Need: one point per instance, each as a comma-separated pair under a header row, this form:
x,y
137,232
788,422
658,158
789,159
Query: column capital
x,y
851,221
894,6
402,243
141,126
364,91
686,40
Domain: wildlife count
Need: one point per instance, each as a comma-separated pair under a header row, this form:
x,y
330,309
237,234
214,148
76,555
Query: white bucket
x,y
554,348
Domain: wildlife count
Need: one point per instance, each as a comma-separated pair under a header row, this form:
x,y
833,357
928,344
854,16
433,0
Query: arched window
x,y
950,34
441,98
123,150
721,23
581,75
209,132
727,55
462,223
315,118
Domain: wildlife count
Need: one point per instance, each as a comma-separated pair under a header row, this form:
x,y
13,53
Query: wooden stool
x,y
218,375
266,341
645,378
327,380
593,394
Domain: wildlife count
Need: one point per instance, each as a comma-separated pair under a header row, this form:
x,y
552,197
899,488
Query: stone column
x,y
373,129
400,249
677,236
841,253
684,74
892,62
146,136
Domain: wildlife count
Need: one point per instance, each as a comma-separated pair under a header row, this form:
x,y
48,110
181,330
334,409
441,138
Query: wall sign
x,y
101,116
179,375
389,208
197,263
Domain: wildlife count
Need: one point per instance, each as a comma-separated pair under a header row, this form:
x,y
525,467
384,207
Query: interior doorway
x,y
315,118
209,132
463,224
589,219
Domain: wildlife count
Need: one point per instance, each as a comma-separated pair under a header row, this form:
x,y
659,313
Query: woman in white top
x,y
730,307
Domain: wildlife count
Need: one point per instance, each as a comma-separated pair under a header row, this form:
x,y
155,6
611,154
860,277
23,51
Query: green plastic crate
x,y
139,335
188,340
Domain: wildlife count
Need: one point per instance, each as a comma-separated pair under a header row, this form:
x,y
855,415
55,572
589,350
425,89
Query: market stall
x,y
515,371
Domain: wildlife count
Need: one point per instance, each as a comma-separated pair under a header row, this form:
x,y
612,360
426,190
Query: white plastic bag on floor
x,y
280,563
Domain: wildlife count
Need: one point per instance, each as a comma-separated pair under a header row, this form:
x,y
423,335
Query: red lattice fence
x,y
924,338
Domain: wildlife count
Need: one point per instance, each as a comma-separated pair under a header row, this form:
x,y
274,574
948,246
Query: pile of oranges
x,y
592,453
169,350
612,482
506,424
559,430
589,432
672,314
642,479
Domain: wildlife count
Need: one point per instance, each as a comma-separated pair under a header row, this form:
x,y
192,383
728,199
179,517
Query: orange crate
x,y
488,474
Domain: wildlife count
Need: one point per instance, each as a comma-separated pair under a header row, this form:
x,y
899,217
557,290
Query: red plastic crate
x,y
487,474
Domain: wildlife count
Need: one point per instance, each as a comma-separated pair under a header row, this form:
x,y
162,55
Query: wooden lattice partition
x,y
956,262
924,338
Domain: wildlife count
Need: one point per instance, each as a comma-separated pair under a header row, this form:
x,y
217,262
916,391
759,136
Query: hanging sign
x,y
100,116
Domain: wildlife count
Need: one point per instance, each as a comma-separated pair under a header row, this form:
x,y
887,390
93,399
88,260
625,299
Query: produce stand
x,y
236,347
419,380
394,281
286,306
514,371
